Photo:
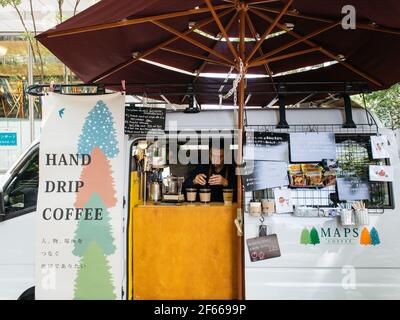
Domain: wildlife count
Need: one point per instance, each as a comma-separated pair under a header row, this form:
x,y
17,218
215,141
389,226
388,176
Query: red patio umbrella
x,y
134,40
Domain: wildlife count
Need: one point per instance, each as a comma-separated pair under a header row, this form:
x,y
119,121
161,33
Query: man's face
x,y
216,156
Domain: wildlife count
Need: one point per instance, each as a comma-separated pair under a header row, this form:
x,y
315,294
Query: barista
x,y
215,176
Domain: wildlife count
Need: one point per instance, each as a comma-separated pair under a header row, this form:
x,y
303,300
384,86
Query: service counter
x,y
184,251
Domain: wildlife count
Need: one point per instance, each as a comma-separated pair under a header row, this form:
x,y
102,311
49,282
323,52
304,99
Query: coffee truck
x,y
179,250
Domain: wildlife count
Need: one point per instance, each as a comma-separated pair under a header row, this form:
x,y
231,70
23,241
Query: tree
x,y
365,237
314,237
76,6
37,42
60,19
385,104
15,4
94,279
97,177
98,130
305,237
99,231
374,237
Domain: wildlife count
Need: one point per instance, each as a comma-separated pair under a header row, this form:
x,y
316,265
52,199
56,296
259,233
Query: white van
x,y
329,270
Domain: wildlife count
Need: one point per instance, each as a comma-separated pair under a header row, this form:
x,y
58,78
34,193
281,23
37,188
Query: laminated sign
x,y
263,248
79,243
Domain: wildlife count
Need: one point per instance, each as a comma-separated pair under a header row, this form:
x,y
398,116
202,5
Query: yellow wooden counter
x,y
184,251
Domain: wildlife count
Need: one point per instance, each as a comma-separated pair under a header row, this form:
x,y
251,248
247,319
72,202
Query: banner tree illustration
x,y
94,239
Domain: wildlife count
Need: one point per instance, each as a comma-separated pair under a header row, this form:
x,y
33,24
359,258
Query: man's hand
x,y
217,180
200,179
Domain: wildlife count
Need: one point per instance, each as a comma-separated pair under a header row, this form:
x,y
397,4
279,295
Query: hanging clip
x,y
262,229
239,222
51,86
145,100
123,84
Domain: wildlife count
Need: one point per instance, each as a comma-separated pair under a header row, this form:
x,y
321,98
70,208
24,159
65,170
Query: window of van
x,y
20,195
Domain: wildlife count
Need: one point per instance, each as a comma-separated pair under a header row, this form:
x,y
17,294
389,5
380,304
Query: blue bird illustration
x,y
61,112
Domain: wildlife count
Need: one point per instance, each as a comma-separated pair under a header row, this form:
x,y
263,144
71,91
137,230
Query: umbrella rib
x,y
193,55
323,50
319,19
129,22
227,28
269,30
242,33
262,1
286,56
203,65
192,41
156,48
293,43
260,50
222,29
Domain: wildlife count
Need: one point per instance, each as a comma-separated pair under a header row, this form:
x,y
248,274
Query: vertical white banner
x,y
79,249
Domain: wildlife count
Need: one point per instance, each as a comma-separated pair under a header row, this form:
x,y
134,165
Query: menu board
x,y
312,146
266,146
141,120
265,174
353,189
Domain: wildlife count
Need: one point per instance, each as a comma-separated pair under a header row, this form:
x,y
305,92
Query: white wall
x,y
397,135
8,156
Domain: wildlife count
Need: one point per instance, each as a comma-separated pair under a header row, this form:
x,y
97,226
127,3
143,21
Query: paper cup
x,y
268,207
228,196
255,209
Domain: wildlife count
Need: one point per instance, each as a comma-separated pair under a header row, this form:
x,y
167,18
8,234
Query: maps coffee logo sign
x,y
340,236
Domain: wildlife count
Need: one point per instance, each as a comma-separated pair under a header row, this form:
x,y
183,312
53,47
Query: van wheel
x,y
28,294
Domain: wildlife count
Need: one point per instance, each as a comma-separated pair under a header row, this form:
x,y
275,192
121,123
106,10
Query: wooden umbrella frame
x,y
256,57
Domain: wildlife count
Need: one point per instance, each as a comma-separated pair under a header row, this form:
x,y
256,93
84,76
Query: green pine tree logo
x,y
94,279
314,237
305,236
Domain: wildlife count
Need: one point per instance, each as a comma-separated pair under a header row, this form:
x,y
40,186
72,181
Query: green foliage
x,y
94,279
385,104
314,237
5,3
94,230
350,165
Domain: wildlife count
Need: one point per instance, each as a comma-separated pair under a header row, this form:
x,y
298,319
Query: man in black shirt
x,y
216,176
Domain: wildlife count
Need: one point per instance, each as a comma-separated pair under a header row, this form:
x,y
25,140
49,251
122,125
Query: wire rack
x,y
335,128
354,155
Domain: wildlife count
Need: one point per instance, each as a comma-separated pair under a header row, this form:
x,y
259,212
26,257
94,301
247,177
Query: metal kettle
x,y
155,191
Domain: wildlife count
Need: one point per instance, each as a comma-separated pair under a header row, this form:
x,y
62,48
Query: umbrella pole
x,y
241,283
242,50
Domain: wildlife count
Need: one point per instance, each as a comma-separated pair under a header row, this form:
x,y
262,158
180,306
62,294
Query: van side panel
x,y
341,266
17,256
